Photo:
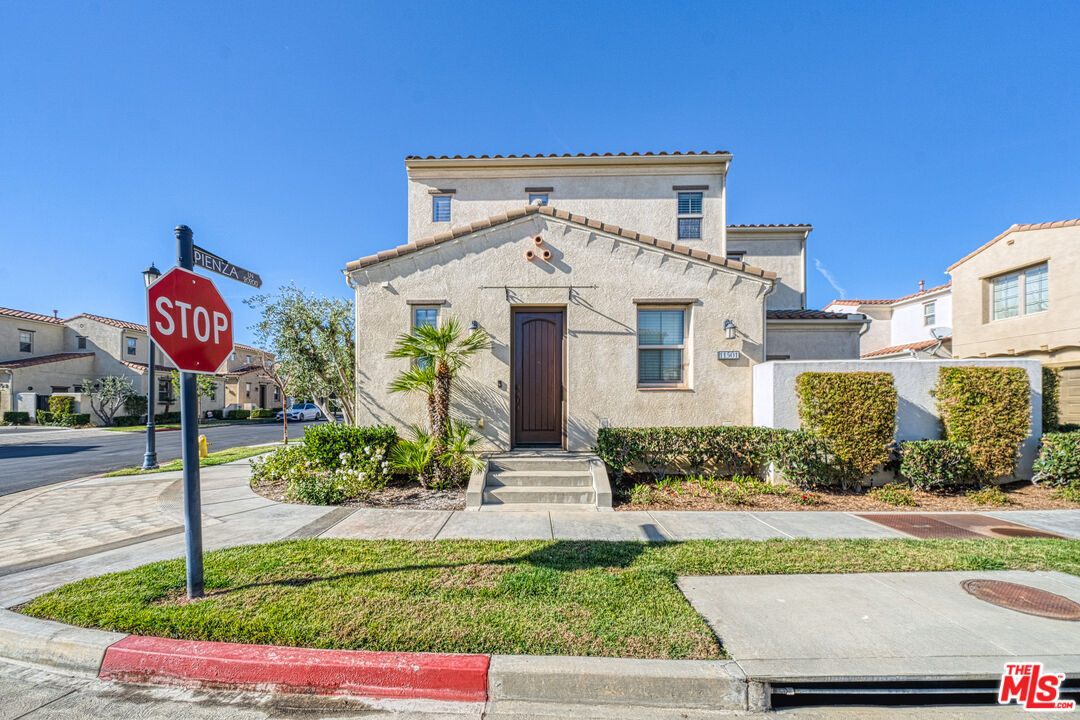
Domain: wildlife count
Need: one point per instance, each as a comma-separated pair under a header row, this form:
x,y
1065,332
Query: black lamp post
x,y
150,462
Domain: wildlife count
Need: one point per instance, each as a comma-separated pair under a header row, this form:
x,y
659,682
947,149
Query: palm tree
x,y
419,378
447,350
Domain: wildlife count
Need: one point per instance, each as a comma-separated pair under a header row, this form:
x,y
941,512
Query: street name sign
x,y
189,321
209,261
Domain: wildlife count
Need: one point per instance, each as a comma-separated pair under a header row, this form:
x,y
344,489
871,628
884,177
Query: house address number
x,y
727,355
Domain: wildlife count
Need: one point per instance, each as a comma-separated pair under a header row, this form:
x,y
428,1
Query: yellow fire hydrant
x,y
203,447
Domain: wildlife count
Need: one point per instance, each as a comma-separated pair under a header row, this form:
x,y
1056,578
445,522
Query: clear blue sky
x,y
906,133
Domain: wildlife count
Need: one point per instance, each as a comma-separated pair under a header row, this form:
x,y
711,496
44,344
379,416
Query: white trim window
x,y
661,335
929,313
26,341
689,215
1020,293
440,208
132,346
424,315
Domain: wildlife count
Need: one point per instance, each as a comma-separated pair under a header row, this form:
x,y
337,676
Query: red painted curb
x,y
429,676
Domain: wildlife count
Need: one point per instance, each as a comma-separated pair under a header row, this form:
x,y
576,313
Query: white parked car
x,y
301,412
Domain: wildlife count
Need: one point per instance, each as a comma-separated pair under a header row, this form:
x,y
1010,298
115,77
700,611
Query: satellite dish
x,y
942,332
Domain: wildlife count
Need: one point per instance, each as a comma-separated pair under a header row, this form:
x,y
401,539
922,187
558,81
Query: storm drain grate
x,y
921,526
1024,598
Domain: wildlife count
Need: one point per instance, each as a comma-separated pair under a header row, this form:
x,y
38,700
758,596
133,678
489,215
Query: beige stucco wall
x,y
782,252
48,338
639,197
813,340
1052,336
40,379
481,276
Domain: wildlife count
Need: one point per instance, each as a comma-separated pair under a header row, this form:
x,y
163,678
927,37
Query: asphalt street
x,y
32,458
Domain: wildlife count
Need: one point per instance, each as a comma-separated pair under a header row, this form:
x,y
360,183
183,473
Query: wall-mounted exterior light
x,y
729,330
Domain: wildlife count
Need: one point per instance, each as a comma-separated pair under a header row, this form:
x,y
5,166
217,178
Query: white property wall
x,y
775,403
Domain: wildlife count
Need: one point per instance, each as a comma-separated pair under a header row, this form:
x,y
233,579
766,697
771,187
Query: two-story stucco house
x,y
1019,295
613,288
915,325
43,355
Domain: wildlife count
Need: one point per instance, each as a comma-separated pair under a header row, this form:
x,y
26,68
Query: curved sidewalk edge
x,y
53,645
268,668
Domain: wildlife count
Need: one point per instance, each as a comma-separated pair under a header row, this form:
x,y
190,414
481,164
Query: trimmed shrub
x,y
135,405
801,457
167,418
61,405
689,449
77,419
987,409
238,414
854,413
325,444
262,414
1051,394
937,464
1058,462
44,417
127,420
16,418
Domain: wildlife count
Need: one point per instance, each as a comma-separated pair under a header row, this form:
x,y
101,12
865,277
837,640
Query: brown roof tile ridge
x,y
44,359
1015,228
920,345
27,315
527,156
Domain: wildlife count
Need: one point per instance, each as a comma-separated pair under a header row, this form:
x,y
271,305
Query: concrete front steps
x,y
540,480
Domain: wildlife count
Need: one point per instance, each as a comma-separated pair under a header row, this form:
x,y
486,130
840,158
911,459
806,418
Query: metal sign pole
x,y
189,432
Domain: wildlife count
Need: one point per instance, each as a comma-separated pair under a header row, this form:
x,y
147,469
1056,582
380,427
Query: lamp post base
x,y
149,461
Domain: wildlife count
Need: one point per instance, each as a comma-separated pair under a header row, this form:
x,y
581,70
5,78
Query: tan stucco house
x,y
1019,296
612,286
43,355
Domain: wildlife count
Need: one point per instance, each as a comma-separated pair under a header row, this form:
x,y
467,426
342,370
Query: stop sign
x,y
190,321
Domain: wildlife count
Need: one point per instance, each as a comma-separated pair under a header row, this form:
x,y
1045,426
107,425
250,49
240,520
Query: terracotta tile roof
x,y
141,367
856,301
247,348
1015,228
123,324
799,226
23,315
511,215
804,315
244,370
526,156
909,347
43,360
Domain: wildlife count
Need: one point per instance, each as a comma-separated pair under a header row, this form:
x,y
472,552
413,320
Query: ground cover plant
x,y
215,458
532,597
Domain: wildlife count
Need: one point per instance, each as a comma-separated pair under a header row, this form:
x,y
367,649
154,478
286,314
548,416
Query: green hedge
x,y
77,419
663,449
1051,394
61,404
1058,462
167,418
937,464
238,414
263,414
135,405
44,417
127,420
325,444
854,413
987,409
16,418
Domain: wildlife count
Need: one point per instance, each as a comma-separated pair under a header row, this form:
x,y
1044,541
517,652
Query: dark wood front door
x,y
538,378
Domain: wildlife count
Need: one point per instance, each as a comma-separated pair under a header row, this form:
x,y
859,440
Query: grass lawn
x,y
214,458
534,597
176,426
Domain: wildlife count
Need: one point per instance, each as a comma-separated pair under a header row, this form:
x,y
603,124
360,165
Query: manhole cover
x,y
1023,598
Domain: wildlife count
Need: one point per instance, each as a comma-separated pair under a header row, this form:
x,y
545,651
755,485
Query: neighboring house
x,y
1019,296
593,323
916,325
42,355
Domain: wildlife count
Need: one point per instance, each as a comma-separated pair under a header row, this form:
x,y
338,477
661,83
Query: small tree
x,y
447,350
279,374
205,387
107,396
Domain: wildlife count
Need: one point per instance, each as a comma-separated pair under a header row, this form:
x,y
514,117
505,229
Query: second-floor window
x,y
689,215
132,346
164,390
80,342
26,341
929,313
247,359
1020,293
440,208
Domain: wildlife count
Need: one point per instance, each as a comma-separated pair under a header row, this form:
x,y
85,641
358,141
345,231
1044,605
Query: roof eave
x,y
719,158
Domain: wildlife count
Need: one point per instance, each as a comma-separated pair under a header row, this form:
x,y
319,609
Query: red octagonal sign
x,y
190,321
